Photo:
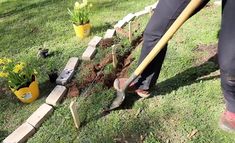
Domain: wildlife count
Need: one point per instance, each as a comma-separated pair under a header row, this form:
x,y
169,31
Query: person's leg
x,y
164,15
227,54
227,64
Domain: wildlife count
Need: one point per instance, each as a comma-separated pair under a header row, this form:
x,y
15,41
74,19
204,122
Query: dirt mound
x,y
105,61
138,40
96,74
93,76
105,43
206,53
73,90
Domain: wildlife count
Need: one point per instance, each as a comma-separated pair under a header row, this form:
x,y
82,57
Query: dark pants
x,y
164,15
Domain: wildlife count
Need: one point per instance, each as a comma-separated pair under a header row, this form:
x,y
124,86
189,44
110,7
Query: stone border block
x,y
89,53
218,2
120,24
65,76
149,8
56,95
95,41
155,5
40,115
72,63
141,13
21,134
109,33
129,17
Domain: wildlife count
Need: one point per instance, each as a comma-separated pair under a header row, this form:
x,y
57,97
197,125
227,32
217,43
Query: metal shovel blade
x,y
118,100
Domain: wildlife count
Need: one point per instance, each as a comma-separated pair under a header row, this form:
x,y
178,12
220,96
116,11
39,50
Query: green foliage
x,y
80,14
17,74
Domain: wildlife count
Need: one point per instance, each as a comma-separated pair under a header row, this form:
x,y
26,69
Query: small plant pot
x,y
82,31
53,76
28,94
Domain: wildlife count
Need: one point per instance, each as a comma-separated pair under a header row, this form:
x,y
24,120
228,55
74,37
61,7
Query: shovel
x,y
187,12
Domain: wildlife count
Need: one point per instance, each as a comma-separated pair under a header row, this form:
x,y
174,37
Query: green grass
x,y
181,102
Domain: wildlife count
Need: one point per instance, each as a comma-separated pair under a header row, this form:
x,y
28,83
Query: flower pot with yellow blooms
x,y
82,31
28,94
21,79
80,19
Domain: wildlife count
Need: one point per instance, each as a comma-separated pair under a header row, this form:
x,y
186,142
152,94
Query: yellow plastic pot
x,y
82,31
28,94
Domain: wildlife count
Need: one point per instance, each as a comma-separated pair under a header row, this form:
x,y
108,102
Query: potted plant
x,y
21,79
53,75
80,18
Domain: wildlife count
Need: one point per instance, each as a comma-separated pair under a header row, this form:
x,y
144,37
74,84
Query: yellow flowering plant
x,y
17,74
81,12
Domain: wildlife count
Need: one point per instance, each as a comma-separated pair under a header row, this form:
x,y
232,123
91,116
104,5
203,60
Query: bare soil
x,y
106,43
73,90
96,74
206,53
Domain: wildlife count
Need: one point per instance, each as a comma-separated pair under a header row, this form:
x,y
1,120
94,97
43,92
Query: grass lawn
x,y
185,105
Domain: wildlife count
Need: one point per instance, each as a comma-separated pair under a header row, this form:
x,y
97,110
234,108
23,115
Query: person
x,y
164,15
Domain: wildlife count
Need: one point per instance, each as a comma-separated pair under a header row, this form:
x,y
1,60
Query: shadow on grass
x,y
46,88
101,28
184,78
3,134
103,5
189,76
25,8
7,99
